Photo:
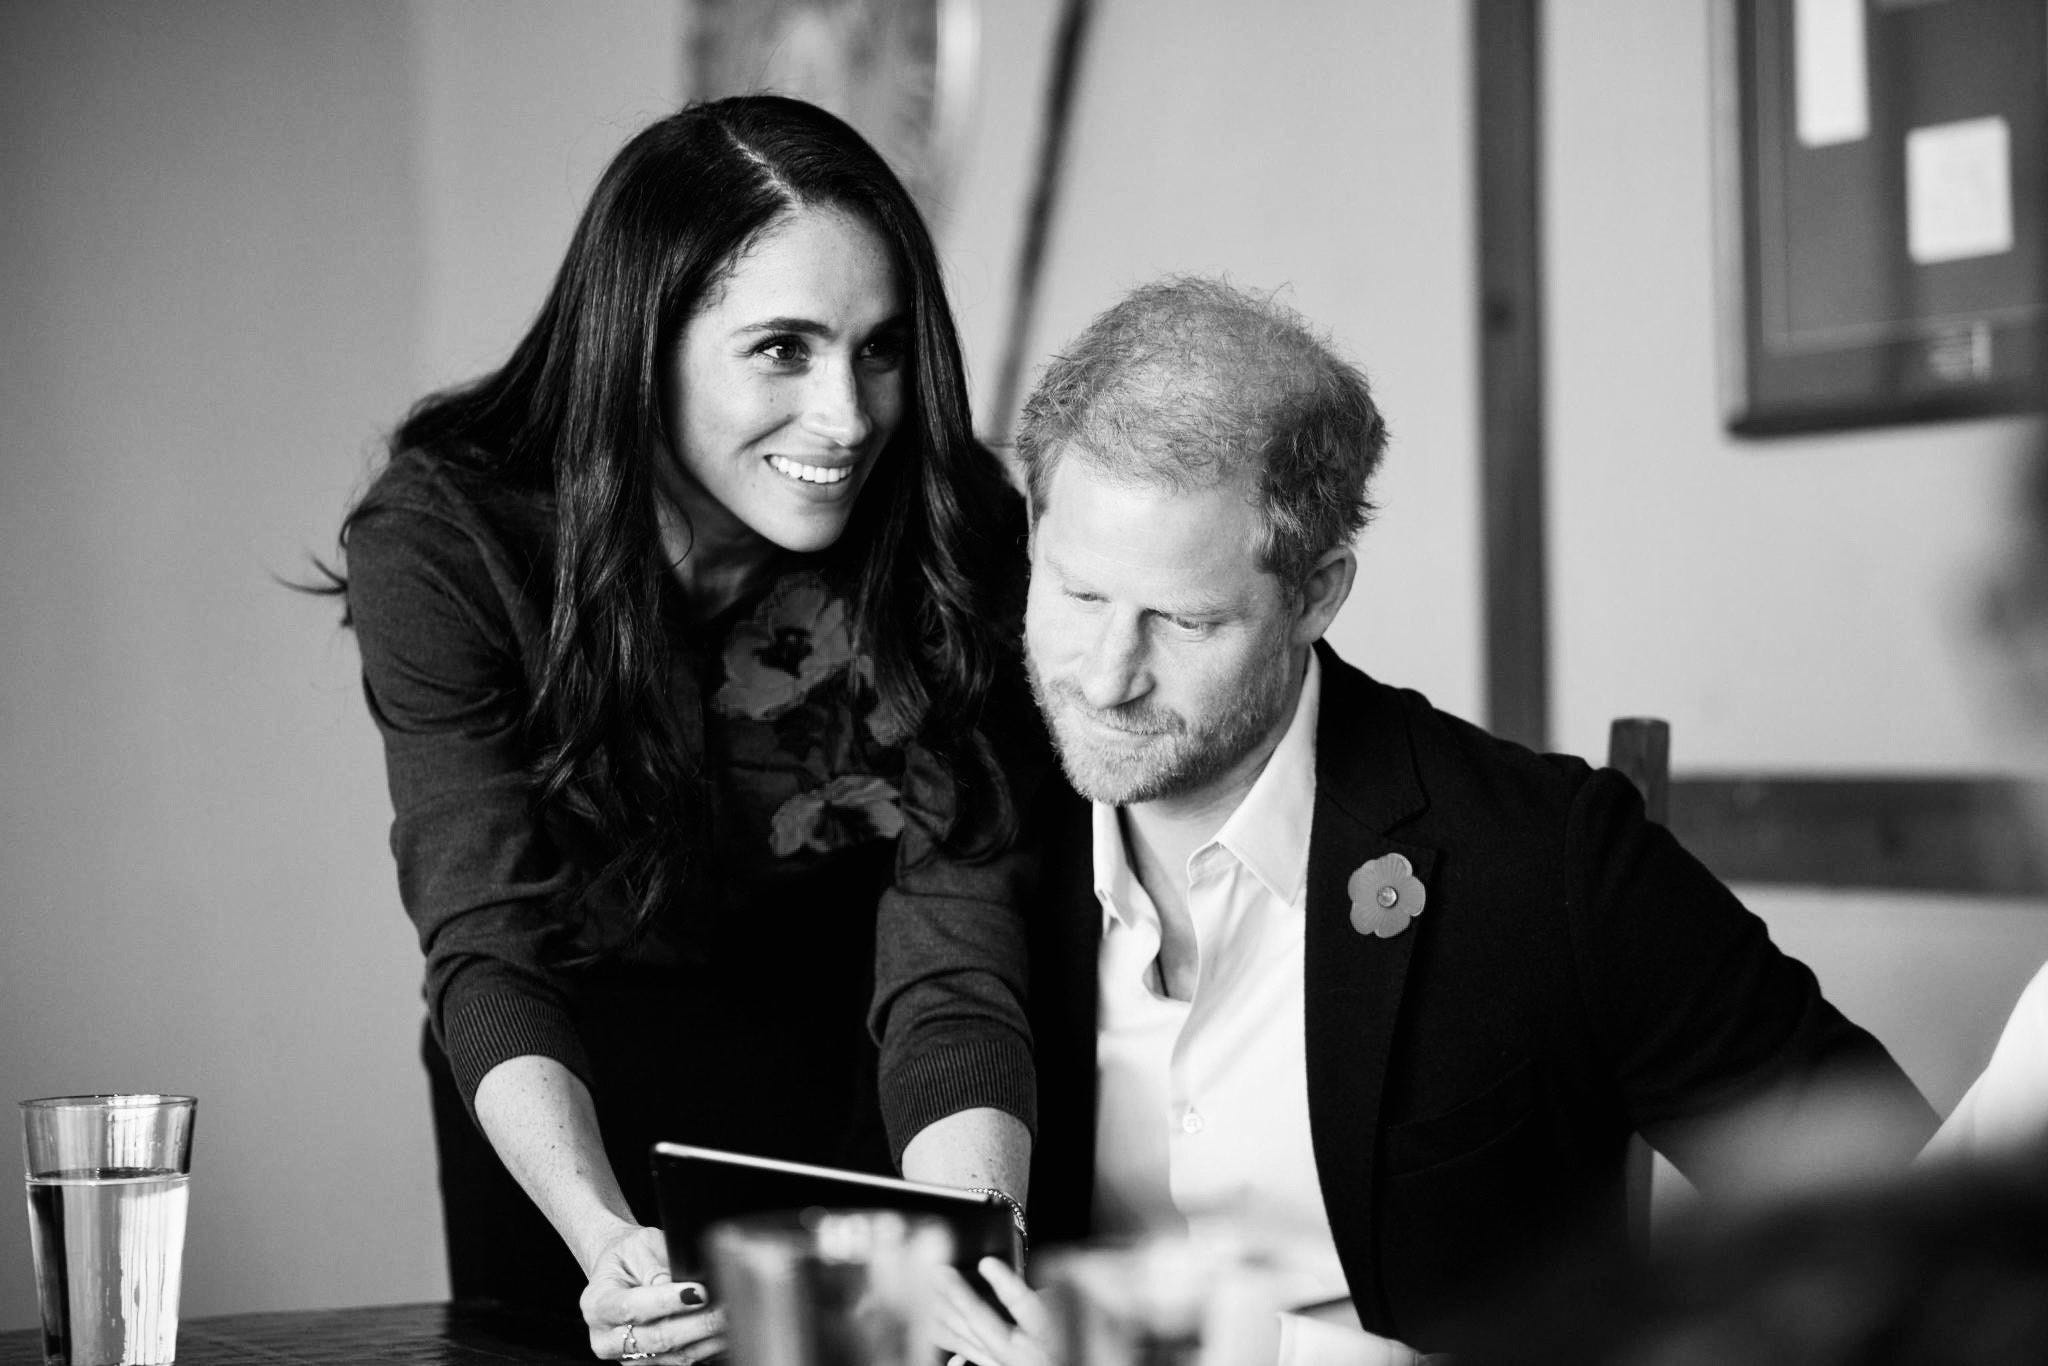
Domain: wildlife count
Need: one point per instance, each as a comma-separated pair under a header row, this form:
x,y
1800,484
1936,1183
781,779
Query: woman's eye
x,y
885,351
782,350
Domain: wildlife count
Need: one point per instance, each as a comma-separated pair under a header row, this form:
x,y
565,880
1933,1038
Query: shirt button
x,y
1191,1122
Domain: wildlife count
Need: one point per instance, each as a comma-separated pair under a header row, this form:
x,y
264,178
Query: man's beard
x,y
1168,756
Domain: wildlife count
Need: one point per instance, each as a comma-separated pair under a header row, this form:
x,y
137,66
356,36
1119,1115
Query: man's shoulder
x,y
1380,734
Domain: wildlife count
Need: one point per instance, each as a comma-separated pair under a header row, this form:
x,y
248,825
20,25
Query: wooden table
x,y
381,1335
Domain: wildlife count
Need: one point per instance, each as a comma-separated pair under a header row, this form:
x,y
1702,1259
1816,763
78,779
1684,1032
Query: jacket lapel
x,y
1066,935
1366,784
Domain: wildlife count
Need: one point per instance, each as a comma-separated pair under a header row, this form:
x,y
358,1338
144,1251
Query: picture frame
x,y
1883,193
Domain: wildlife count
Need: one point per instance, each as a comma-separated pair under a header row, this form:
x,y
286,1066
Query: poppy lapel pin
x,y
1385,896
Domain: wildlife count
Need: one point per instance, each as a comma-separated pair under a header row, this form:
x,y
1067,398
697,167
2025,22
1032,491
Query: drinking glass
x,y
1163,1301
829,1287
107,1180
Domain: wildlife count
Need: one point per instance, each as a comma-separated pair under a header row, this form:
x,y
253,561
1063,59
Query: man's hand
x,y
636,1312
972,1331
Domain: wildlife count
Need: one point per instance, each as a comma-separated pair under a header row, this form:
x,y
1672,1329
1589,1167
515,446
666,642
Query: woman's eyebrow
x,y
811,327
803,327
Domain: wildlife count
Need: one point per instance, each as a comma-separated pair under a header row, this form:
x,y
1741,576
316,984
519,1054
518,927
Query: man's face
x,y
1163,657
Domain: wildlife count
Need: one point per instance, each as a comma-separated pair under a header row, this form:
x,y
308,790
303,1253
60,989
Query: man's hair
x,y
1190,382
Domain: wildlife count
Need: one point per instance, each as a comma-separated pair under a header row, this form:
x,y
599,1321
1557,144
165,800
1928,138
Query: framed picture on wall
x,y
1884,196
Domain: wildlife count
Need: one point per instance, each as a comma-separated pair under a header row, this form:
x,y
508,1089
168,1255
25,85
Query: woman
x,y
683,631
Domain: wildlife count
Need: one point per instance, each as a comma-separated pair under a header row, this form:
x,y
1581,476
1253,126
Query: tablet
x,y
697,1187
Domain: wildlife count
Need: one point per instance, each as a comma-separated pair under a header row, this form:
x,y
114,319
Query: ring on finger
x,y
629,1350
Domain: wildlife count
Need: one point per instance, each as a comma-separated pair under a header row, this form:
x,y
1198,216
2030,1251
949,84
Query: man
x,y
1314,960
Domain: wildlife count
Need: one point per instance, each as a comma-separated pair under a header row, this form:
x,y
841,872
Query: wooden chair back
x,y
1639,747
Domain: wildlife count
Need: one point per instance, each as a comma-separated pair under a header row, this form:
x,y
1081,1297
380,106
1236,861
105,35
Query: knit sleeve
x,y
434,613
951,961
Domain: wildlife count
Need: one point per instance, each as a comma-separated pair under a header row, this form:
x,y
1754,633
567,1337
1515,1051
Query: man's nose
x,y
835,407
1115,669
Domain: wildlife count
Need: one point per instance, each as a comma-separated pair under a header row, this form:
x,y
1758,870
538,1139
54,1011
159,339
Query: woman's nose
x,y
835,406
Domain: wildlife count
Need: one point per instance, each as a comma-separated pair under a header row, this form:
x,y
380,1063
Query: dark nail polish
x,y
692,1295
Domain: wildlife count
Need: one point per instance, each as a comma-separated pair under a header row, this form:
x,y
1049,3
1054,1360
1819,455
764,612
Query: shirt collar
x,y
1269,831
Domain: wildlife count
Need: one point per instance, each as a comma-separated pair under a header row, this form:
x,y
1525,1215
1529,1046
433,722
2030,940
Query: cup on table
x,y
107,1179
828,1287
1162,1300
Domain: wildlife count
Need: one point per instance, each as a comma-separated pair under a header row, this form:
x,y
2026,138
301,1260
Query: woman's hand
x,y
636,1312
973,1332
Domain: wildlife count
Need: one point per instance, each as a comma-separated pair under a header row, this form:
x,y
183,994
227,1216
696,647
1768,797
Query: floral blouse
x,y
802,761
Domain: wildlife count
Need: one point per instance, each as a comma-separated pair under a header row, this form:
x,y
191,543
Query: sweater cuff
x,y
963,1074
485,1030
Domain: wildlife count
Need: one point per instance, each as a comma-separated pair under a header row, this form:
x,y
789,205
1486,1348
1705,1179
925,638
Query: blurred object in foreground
x,y
1938,1266
829,1288
1194,1302
1161,1300
1806,1136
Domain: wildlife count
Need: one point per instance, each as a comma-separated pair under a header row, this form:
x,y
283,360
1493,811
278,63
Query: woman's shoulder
x,y
427,498
438,520
455,485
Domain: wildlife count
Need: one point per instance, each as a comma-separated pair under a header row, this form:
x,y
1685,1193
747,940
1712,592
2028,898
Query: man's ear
x,y
1323,593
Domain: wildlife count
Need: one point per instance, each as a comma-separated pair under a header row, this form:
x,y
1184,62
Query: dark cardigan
x,y
739,1020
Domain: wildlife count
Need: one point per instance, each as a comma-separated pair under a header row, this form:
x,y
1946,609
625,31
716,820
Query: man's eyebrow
x,y
1192,606
1197,607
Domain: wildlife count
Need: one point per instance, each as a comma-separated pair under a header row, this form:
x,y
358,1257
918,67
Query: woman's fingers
x,y
641,1304
633,1309
677,1338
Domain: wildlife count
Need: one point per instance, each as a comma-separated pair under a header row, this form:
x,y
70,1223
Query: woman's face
x,y
785,386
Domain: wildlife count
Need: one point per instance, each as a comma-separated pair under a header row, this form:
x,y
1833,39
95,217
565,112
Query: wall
x,y
1318,148
240,238
1795,604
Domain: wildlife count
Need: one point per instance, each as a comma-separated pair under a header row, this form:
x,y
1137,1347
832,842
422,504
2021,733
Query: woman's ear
x,y
1322,593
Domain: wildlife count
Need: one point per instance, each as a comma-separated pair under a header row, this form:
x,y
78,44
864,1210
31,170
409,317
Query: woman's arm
x,y
539,1117
442,637
983,1146
958,1086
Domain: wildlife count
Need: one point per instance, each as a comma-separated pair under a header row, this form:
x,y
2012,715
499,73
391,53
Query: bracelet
x,y
1016,1213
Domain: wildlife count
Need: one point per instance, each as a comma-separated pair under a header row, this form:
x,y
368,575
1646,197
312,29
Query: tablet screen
x,y
697,1187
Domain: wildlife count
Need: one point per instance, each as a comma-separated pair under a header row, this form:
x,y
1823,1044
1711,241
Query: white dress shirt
x,y
1202,1105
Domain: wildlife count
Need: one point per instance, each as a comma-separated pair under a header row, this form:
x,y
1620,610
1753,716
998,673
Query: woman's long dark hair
x,y
577,412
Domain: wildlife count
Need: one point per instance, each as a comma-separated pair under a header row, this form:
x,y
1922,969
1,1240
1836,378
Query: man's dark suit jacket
x,y
1473,1081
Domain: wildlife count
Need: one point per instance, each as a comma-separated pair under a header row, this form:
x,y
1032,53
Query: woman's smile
x,y
812,474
